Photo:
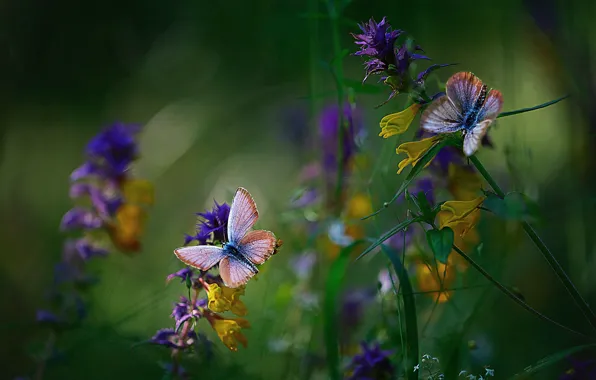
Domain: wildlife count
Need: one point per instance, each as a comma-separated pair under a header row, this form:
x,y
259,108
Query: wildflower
x,y
128,228
329,131
398,123
88,249
489,372
372,363
138,191
463,182
387,280
229,331
183,311
80,218
352,308
169,338
302,265
184,274
434,280
415,151
460,214
222,298
215,222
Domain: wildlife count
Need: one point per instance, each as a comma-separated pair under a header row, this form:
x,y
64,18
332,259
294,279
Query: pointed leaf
x,y
441,242
522,110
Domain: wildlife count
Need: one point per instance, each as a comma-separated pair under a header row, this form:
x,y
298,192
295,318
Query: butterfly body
x,y
232,251
245,249
468,105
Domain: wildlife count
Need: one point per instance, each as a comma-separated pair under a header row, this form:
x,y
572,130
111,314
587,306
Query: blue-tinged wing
x,y
441,117
463,89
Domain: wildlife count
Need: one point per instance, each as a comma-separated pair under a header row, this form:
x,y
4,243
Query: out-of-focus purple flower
x,y
112,151
372,363
397,241
387,279
79,217
352,308
302,265
183,274
105,202
306,198
87,249
425,185
214,222
329,127
580,369
46,316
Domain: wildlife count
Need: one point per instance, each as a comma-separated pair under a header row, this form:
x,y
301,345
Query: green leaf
x,y
424,205
425,159
515,206
440,241
400,227
410,319
333,285
522,110
548,361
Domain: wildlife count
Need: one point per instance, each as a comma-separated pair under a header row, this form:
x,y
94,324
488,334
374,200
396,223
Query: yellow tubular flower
x,y
429,281
415,150
138,191
397,123
222,299
463,183
461,216
127,231
229,331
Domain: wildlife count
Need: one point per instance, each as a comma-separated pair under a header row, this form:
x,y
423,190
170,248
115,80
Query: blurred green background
x,y
220,87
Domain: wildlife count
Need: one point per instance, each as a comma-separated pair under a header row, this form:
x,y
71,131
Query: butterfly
x,y
468,105
245,249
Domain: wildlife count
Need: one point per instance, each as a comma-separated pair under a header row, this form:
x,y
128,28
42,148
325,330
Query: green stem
x,y
510,294
546,253
339,77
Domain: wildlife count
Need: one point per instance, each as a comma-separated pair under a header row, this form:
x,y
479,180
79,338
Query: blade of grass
x,y
400,227
332,288
411,322
548,361
522,110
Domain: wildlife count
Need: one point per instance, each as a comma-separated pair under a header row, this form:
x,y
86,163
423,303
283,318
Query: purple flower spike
x,y
114,149
372,363
80,218
165,337
46,316
183,274
214,222
87,250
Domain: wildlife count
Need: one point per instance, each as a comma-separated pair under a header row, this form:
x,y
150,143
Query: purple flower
x,y
182,311
183,274
372,363
46,316
165,337
302,265
112,151
397,241
87,249
214,223
329,127
580,369
306,198
377,40
79,217
106,205
352,309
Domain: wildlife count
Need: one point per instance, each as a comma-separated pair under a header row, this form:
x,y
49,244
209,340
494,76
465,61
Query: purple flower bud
x,y
80,218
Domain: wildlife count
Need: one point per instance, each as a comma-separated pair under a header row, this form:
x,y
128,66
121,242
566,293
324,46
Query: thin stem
x,y
185,329
512,295
546,253
47,353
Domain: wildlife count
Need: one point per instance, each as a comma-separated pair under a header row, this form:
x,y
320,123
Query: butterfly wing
x,y
234,272
202,257
474,136
441,117
463,89
258,246
243,215
492,106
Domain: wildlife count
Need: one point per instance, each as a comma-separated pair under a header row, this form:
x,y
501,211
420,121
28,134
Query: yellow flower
x,y
463,183
222,298
128,227
138,191
415,150
429,281
359,206
398,123
461,216
229,331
